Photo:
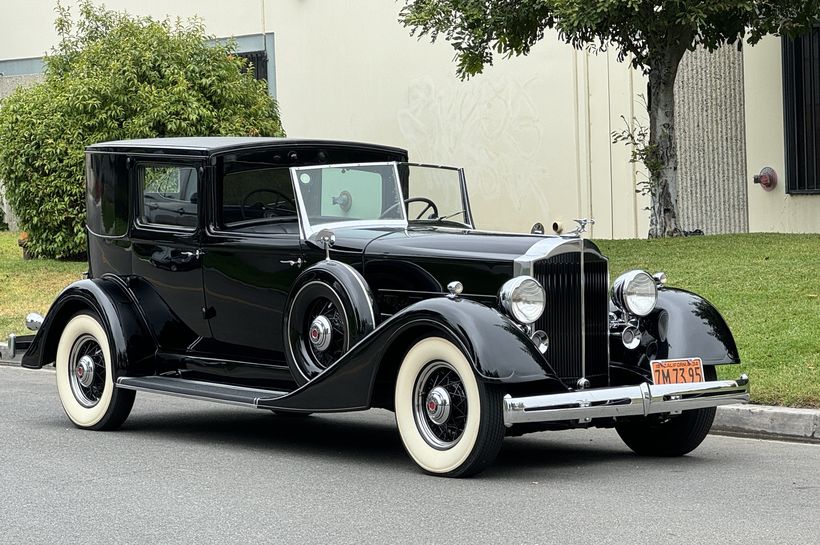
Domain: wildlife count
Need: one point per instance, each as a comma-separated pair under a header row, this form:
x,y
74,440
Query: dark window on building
x,y
258,63
801,90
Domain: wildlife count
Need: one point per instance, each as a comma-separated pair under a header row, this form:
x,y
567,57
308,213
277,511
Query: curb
x,y
767,422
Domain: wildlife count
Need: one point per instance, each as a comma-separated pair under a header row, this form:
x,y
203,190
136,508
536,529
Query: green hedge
x,y
114,76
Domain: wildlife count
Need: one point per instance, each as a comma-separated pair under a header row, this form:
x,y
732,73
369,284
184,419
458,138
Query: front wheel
x,y
675,436
450,423
85,378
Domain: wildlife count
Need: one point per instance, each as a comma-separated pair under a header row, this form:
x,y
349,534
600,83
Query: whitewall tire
x,y
85,378
451,424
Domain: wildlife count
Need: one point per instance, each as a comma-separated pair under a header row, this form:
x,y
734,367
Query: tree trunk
x,y
663,161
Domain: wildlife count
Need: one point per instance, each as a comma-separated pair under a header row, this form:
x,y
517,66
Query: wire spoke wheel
x,y
326,331
86,371
85,375
450,422
440,406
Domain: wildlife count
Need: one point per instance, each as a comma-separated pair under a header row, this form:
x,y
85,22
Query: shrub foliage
x,y
114,76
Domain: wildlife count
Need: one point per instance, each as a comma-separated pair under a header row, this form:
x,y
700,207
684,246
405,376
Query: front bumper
x,y
639,400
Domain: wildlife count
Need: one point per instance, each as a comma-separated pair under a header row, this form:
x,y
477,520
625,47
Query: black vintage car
x,y
305,276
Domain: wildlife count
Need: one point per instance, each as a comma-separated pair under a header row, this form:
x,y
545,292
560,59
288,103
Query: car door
x,y
253,255
166,253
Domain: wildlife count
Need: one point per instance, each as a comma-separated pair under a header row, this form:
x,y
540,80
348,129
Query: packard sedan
x,y
305,276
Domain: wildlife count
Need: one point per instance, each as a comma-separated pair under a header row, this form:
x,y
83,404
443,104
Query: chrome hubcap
x,y
320,333
85,371
438,405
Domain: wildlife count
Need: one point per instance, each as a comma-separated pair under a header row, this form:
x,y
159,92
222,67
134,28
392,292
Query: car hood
x,y
426,259
452,244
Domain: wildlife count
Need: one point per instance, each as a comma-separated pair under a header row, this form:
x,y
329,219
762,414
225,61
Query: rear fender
x,y
133,346
497,349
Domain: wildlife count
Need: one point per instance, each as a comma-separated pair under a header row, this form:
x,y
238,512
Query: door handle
x,y
197,254
290,262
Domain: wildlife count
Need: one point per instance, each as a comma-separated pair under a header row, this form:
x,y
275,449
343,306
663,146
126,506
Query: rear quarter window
x,y
107,194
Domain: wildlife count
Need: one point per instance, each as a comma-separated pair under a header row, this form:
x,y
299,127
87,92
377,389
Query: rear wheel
x,y
674,436
450,423
85,378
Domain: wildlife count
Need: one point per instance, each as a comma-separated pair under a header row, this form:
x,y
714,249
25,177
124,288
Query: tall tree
x,y
652,35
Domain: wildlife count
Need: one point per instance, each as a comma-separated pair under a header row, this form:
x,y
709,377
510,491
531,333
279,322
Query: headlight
x,y
523,298
635,292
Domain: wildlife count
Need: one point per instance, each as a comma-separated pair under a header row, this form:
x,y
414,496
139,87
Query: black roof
x,y
213,144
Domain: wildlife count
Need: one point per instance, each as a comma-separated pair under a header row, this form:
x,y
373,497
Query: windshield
x,y
362,193
435,194
382,194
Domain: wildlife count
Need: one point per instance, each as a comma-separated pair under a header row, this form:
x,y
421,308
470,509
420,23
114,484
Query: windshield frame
x,y
307,229
465,198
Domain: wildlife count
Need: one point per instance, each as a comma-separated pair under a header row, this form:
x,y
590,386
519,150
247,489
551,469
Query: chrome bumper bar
x,y
639,400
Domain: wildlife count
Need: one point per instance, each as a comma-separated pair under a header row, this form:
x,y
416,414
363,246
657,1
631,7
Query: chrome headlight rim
x,y
625,300
508,293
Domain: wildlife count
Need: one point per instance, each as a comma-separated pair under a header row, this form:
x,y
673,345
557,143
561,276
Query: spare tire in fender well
x,y
359,310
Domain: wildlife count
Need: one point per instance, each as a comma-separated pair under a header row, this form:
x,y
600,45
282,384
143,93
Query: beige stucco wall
x,y
773,211
533,133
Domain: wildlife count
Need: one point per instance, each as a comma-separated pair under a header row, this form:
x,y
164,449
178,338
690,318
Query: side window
x,y
253,194
168,196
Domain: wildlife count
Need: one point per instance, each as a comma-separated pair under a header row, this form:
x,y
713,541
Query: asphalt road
x,y
185,471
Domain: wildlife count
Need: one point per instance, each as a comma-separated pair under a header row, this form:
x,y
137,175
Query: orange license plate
x,y
677,371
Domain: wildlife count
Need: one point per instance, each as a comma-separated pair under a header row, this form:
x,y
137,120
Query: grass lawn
x,y
29,286
766,286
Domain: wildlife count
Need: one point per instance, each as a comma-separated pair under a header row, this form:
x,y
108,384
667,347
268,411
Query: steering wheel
x,y
430,204
273,206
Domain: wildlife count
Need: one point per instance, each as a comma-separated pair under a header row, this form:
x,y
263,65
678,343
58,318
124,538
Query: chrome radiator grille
x,y
575,336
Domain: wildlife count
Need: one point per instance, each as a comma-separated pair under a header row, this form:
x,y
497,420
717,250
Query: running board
x,y
195,389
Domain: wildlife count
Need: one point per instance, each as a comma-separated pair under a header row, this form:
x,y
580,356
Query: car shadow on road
x,y
361,439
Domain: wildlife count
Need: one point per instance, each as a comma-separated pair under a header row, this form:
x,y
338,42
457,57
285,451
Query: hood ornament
x,y
582,226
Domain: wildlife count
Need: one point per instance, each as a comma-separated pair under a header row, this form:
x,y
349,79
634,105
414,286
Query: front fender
x,y
497,349
132,345
683,325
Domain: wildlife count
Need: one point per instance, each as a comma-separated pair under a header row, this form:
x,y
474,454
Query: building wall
x,y
773,211
533,133
709,121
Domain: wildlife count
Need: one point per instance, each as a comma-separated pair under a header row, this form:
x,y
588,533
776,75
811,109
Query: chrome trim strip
x,y
583,324
197,397
542,249
360,279
639,400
